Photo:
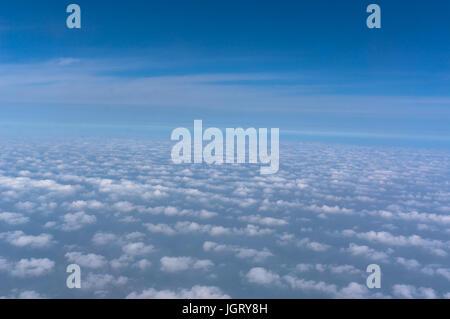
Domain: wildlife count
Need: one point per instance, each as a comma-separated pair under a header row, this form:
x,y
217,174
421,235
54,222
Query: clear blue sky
x,y
310,66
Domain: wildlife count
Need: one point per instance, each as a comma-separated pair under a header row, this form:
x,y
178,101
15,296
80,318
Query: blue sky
x,y
311,67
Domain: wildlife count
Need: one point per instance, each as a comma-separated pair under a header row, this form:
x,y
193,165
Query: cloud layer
x,y
141,227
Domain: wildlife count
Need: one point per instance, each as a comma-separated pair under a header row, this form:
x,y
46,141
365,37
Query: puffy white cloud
x,y
30,294
20,239
445,272
90,204
160,228
103,238
330,210
312,245
143,264
266,221
86,260
100,282
310,285
436,269
362,250
33,267
240,252
124,207
196,292
433,245
27,184
262,276
335,269
26,294
408,263
13,218
121,262
416,216
177,264
25,206
76,221
411,292
137,249
214,230
353,291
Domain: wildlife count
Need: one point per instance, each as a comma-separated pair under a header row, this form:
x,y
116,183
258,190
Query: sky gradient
x,y
305,67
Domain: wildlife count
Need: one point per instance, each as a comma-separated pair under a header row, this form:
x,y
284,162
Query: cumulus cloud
x,y
262,276
20,239
82,204
33,267
76,221
311,285
411,292
100,282
160,228
335,269
177,264
436,246
370,253
196,292
265,221
408,263
13,218
187,227
137,249
143,264
312,245
26,294
86,260
28,184
239,252
103,238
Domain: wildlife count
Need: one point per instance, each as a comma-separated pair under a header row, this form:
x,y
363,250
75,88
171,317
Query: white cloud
x,y
103,238
86,260
33,267
240,252
196,292
177,264
137,249
124,207
143,264
265,221
99,282
81,204
408,263
310,285
27,184
330,210
435,246
362,250
312,245
261,276
335,269
76,221
353,291
411,292
160,228
26,294
13,218
20,239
